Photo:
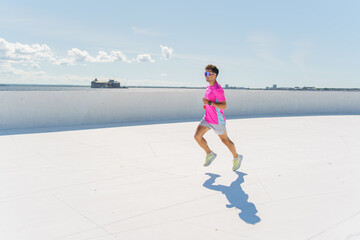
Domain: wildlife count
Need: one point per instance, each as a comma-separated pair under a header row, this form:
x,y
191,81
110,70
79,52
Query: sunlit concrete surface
x,y
299,180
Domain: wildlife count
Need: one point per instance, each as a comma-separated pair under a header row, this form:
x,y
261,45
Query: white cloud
x,y
144,58
32,55
166,52
75,55
163,75
18,52
7,70
114,56
11,74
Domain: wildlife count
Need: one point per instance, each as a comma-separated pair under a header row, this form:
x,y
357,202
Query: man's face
x,y
210,76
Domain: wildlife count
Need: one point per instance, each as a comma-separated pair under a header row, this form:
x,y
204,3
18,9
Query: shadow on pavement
x,y
236,197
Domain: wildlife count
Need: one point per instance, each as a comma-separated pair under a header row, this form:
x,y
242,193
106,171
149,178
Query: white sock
x,y
210,153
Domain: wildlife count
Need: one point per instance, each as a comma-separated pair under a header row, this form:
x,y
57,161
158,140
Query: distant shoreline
x,y
41,85
168,87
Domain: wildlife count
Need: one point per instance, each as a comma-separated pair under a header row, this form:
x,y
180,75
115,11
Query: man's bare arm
x,y
220,105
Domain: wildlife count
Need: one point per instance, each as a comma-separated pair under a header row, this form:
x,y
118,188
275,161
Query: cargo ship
x,y
102,84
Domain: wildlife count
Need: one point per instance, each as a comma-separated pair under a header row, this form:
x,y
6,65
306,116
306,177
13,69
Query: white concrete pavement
x,y
299,180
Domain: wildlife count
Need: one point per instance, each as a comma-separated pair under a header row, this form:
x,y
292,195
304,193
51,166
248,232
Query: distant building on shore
x,y
102,84
227,86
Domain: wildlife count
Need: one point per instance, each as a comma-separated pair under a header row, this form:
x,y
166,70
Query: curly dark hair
x,y
213,68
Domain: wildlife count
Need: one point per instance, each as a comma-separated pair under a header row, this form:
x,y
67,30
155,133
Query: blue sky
x,y
166,43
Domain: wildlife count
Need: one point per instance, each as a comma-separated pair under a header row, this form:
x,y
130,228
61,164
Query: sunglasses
x,y
208,74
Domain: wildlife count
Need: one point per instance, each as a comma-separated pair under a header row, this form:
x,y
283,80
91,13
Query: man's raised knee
x,y
197,137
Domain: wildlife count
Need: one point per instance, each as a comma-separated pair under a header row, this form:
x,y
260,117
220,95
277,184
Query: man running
x,y
214,105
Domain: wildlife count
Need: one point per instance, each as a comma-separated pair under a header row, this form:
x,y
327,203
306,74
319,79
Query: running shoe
x,y
237,162
209,158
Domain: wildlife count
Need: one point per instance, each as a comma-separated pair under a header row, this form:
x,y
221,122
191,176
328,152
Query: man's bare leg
x,y
226,140
200,131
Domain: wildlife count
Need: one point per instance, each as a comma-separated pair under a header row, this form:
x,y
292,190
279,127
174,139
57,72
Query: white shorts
x,y
219,129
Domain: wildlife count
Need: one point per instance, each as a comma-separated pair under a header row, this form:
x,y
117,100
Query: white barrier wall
x,y
30,109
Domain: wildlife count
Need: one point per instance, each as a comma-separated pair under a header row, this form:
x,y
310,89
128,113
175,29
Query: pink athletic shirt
x,y
215,94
